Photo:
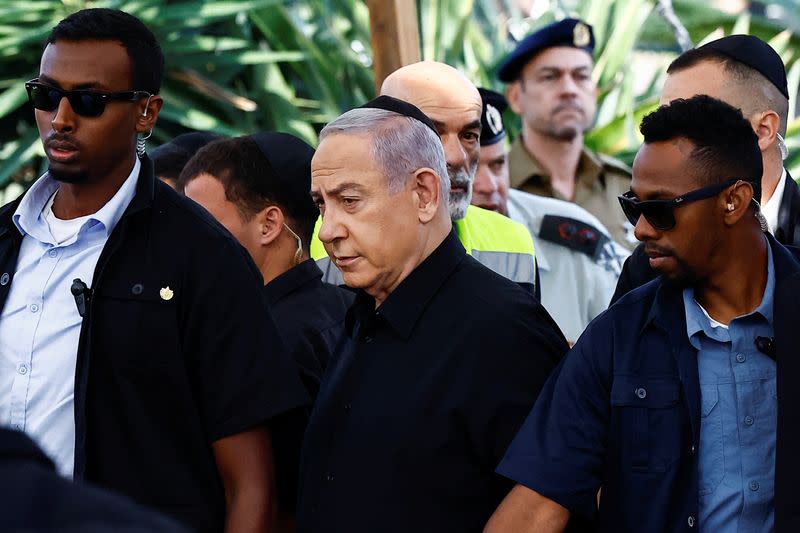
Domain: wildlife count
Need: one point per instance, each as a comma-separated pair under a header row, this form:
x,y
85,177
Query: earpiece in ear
x,y
731,207
147,106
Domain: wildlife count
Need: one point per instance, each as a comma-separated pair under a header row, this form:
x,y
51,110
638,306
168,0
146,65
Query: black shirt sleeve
x,y
518,357
243,373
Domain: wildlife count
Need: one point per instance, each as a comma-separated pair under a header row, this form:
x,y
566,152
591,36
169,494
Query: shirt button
x,y
137,289
34,308
5,278
641,393
53,253
690,521
329,477
368,339
22,368
693,449
754,485
748,420
347,406
740,358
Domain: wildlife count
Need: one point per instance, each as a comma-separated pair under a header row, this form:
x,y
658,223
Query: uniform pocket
x,y
711,459
651,421
138,317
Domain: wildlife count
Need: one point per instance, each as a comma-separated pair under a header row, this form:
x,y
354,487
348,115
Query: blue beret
x,y
492,129
567,32
754,53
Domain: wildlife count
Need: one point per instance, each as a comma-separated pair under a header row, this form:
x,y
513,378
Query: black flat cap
x,y
290,162
401,107
754,53
567,32
492,129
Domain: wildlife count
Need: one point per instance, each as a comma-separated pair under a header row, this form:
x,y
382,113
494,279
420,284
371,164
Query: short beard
x,y
68,177
459,201
562,134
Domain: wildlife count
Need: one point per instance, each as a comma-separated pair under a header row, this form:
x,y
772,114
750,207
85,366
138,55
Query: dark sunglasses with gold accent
x,y
85,102
659,213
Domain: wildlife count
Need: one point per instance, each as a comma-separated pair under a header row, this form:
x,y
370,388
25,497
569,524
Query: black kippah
x,y
756,54
401,107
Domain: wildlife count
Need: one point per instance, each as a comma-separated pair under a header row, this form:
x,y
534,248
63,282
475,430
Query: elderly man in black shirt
x,y
442,358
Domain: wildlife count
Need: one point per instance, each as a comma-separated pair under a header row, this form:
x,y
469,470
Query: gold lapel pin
x,y
166,293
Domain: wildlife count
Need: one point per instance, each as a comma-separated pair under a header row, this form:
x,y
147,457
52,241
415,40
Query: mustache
x,y
568,105
61,141
460,178
654,249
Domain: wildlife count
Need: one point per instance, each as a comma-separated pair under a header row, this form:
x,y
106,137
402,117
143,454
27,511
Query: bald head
x,y
454,105
430,84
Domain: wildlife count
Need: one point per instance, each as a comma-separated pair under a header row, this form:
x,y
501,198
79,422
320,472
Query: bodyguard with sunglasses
x,y
135,346
668,403
747,73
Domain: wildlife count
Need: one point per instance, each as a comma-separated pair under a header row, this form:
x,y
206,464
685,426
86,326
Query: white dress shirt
x,y
773,205
40,325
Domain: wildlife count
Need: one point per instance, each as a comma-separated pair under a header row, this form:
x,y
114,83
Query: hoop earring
x,y
140,143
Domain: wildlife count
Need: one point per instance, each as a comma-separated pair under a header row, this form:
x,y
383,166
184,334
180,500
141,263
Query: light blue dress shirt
x,y
40,325
738,417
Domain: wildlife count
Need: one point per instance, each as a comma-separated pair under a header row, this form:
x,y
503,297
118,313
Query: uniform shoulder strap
x,y
573,234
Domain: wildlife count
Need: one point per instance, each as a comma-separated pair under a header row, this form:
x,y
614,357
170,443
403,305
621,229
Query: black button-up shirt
x,y
419,406
160,378
310,319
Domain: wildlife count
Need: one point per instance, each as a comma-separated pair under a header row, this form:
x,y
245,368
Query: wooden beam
x,y
395,36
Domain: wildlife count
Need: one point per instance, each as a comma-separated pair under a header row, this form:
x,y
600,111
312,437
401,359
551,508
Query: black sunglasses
x,y
659,213
85,102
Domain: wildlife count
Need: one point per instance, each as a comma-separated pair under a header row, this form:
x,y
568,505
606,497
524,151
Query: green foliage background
x,y
240,66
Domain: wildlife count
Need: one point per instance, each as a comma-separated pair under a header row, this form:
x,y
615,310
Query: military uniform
x,y
600,180
578,261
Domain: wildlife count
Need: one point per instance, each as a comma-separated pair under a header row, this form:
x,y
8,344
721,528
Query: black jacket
x,y
37,499
636,271
162,374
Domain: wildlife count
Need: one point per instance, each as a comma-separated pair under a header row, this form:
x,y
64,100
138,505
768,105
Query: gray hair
x,y
401,145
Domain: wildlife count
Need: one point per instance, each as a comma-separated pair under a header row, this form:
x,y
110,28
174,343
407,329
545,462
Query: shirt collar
x,y
28,215
526,168
292,279
697,321
403,307
773,205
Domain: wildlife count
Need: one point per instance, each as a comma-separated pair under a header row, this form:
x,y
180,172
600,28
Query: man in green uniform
x,y
551,88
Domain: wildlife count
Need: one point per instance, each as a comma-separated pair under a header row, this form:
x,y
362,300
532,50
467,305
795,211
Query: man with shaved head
x,y
747,73
454,105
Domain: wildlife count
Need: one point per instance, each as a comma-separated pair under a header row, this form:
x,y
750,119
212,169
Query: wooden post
x,y
395,36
